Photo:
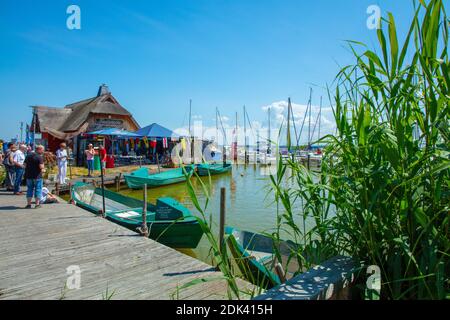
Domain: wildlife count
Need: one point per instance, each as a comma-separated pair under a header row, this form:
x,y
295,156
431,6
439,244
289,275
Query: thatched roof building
x,y
101,111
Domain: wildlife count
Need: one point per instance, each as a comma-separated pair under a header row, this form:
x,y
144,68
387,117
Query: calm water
x,y
249,204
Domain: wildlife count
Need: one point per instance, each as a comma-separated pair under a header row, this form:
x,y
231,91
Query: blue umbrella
x,y
114,132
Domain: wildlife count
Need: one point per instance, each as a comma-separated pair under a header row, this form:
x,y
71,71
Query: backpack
x,y
6,161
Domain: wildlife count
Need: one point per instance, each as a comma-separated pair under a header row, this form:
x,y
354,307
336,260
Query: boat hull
x,y
138,178
255,257
182,233
213,169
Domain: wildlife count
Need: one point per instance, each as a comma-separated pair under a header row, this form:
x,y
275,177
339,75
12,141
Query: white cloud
x,y
279,111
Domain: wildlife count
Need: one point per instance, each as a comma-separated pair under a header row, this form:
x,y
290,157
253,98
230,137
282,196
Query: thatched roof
x,y
74,116
49,117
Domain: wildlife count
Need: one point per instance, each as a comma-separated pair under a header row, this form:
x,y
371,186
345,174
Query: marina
x,y
215,151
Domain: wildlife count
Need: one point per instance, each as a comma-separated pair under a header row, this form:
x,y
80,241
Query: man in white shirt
x,y
61,158
19,167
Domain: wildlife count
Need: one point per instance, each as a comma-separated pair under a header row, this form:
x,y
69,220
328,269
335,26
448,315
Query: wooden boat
x,y
138,178
168,221
205,169
256,260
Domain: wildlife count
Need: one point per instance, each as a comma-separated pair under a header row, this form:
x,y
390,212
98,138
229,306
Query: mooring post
x,y
116,181
70,194
280,272
309,159
144,229
103,193
157,163
222,220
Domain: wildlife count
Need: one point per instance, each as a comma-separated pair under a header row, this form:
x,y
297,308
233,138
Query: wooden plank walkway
x,y
38,245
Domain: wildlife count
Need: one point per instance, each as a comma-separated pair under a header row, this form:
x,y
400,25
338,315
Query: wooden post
x,y
71,201
222,220
69,161
117,182
224,155
103,192
309,159
144,230
157,163
280,272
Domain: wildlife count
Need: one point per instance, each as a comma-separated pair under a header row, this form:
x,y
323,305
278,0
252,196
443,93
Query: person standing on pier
x,y
90,153
34,163
19,159
8,162
102,154
61,158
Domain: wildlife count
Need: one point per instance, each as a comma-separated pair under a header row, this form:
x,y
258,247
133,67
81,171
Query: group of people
x,y
21,162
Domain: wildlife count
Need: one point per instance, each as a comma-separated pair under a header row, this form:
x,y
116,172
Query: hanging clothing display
x,y
145,139
165,144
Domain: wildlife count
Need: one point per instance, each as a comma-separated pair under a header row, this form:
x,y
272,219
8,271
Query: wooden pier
x,y
41,249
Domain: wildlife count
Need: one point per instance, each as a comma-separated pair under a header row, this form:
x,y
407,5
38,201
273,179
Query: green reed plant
x,y
218,251
383,190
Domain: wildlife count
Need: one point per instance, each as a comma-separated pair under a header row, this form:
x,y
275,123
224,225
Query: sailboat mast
x,y
309,126
245,137
217,130
288,137
190,115
320,116
190,132
269,133
236,140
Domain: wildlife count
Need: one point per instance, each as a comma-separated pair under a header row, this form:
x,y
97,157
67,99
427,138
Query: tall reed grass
x,y
382,193
385,172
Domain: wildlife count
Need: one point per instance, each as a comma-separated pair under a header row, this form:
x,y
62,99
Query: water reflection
x,y
249,204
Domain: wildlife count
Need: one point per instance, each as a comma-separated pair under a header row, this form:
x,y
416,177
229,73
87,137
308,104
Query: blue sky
x,y
156,55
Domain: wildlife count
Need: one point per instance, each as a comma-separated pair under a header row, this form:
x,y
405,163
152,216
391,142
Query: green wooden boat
x,y
168,221
205,169
138,178
256,260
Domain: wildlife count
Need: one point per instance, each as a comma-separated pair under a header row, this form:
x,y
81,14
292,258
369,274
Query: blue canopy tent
x,y
156,131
